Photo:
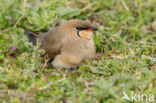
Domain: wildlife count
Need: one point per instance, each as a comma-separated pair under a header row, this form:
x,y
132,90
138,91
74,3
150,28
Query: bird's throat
x,y
84,34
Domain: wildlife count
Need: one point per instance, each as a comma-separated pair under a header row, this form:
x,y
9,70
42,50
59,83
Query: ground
x,y
126,52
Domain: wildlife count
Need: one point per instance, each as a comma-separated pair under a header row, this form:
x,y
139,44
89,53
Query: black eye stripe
x,y
81,28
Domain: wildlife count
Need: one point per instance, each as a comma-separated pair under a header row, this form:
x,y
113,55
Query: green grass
x,y
126,42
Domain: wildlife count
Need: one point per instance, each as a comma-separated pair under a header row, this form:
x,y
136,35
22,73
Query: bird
x,y
69,44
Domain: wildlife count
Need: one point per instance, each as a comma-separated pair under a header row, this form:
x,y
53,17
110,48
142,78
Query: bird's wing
x,y
52,43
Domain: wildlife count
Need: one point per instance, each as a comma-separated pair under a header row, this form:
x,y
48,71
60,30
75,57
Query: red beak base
x,y
89,30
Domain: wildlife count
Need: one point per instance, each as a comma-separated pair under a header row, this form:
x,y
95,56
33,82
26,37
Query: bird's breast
x,y
80,47
89,49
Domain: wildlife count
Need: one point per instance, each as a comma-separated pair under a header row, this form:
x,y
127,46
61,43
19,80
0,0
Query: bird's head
x,y
81,28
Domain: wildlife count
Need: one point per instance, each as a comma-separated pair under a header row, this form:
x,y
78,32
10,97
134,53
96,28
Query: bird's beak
x,y
94,28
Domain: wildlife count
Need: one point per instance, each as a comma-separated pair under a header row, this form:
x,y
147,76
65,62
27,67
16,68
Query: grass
x,y
125,41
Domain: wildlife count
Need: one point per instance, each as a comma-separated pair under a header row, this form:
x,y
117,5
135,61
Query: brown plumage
x,y
69,44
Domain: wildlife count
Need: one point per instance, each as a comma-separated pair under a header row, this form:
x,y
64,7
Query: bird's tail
x,y
32,36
